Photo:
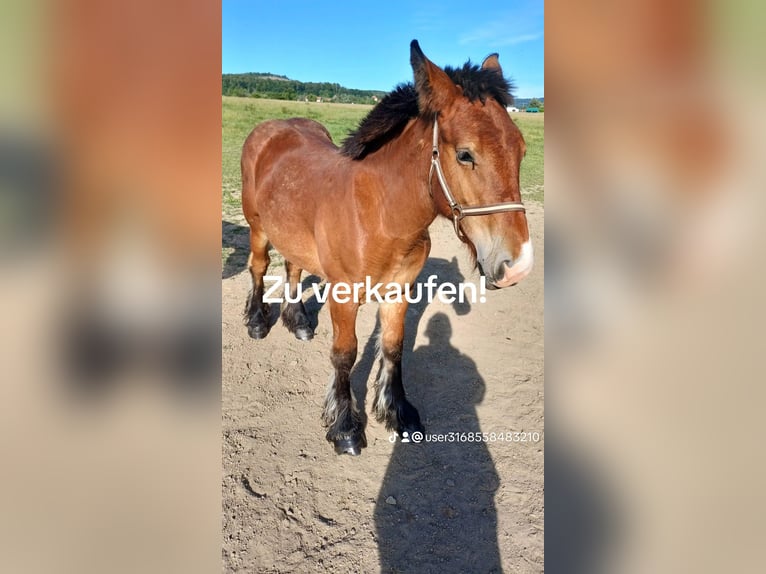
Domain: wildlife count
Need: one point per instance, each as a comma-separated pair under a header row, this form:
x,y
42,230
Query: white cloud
x,y
507,28
517,39
496,37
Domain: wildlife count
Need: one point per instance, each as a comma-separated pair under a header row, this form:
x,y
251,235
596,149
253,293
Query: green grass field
x,y
240,115
532,174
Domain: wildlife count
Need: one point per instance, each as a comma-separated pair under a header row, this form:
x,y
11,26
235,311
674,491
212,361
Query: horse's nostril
x,y
507,264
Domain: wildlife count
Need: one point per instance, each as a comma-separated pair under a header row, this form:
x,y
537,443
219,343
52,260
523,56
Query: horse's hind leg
x,y
256,311
345,429
294,314
390,404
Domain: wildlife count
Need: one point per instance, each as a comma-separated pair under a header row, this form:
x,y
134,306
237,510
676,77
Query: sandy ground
x,y
290,504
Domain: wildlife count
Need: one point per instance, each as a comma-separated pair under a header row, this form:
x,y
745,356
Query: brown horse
x,y
364,210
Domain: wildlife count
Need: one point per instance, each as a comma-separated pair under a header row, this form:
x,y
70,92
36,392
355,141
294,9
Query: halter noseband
x,y
458,211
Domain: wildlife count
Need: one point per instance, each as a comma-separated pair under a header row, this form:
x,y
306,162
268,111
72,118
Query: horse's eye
x,y
465,157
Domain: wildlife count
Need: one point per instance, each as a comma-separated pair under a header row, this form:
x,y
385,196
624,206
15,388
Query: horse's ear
x,y
434,87
492,62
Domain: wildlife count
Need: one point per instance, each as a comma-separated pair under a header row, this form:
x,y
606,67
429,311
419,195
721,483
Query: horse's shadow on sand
x,y
237,238
444,517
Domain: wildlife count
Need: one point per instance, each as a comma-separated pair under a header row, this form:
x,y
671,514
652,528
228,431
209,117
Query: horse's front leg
x,y
341,416
390,405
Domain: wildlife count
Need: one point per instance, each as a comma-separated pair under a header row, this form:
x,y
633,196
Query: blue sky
x,y
365,44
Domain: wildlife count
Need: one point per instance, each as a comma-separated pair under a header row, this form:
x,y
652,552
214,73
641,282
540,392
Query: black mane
x,y
388,118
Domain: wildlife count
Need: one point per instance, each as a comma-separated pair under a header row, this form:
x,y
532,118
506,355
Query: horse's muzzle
x,y
511,272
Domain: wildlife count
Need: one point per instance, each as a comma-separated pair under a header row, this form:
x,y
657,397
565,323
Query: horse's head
x,y
479,153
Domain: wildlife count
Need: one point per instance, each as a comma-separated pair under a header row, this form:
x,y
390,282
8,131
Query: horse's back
x,y
269,150
278,137
284,163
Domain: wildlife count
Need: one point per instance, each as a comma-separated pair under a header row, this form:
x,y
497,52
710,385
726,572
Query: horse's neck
x,y
403,165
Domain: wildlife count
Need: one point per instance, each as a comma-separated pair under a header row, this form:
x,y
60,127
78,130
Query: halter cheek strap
x,y
458,211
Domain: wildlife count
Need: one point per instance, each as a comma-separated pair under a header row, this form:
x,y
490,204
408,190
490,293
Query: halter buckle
x,y
456,224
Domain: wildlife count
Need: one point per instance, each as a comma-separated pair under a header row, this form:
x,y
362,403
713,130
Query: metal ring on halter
x,y
456,224
458,211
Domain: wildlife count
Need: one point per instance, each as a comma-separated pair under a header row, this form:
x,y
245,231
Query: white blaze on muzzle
x,y
519,268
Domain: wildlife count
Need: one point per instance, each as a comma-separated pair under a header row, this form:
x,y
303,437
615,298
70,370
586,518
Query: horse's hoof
x,y
257,331
304,334
351,445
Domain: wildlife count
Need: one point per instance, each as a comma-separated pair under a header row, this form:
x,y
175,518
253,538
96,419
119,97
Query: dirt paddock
x,y
290,504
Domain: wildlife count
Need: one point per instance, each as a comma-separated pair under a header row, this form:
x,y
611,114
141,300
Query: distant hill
x,y
276,87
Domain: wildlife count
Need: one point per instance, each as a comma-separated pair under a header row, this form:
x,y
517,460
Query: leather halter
x,y
458,210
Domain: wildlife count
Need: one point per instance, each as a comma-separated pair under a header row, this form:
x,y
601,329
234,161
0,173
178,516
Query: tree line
x,y
272,86
524,103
